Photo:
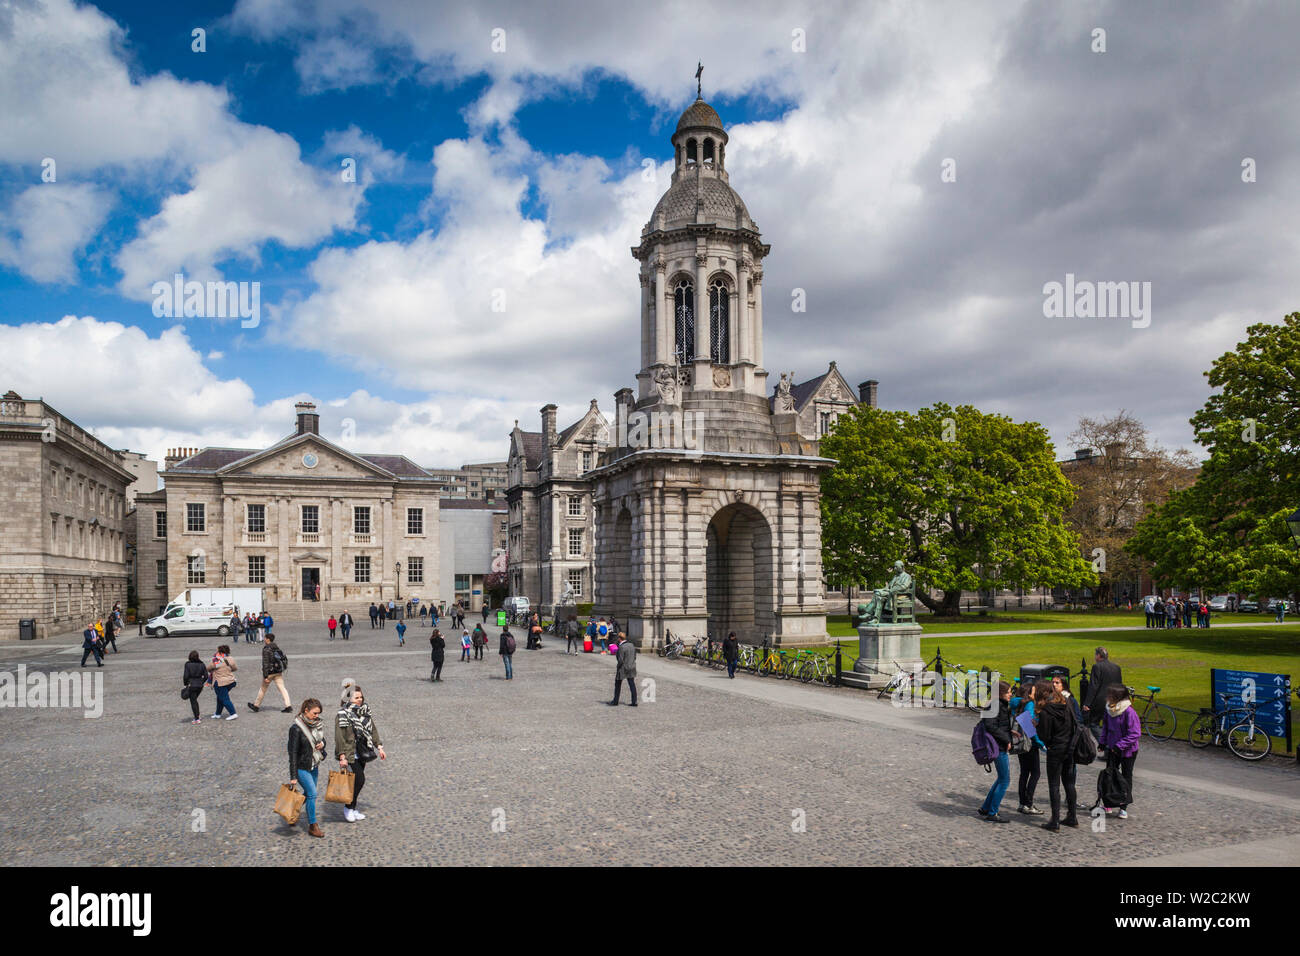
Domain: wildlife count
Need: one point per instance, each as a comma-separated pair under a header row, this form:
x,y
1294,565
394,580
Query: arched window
x,y
719,323
684,316
708,151
690,151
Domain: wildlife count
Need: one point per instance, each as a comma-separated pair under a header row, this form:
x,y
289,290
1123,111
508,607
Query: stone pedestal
x,y
881,646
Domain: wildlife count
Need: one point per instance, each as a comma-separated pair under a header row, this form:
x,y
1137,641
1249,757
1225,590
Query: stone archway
x,y
619,570
739,574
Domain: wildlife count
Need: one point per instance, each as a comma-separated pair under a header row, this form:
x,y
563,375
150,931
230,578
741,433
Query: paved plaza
x,y
712,771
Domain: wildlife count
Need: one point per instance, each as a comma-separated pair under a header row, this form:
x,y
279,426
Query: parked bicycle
x,y
672,647
973,690
1160,721
1234,726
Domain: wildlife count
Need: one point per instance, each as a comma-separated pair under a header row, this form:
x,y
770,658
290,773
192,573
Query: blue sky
x,y
520,169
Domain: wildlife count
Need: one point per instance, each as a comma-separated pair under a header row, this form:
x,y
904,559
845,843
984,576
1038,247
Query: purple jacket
x,y
1122,732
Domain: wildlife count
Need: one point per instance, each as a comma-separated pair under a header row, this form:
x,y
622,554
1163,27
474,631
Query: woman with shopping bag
x,y
306,751
356,742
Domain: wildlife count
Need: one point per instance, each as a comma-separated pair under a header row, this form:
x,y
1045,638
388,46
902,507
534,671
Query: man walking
x,y
731,653
1105,673
401,633
507,651
485,611
90,645
572,633
110,633
274,664
625,671
374,616
345,624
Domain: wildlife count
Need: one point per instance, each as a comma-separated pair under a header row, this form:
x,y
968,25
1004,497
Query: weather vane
x,y
699,71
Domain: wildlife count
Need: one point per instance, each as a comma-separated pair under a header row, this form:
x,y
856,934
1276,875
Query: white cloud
x,y
46,225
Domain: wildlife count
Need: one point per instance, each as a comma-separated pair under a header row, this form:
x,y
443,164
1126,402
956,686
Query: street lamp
x,y
223,573
399,580
1293,523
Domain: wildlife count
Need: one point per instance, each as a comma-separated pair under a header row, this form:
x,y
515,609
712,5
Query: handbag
x,y
1021,743
289,803
339,787
185,692
366,754
1112,789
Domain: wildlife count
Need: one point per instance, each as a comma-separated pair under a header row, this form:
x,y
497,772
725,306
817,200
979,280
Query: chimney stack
x,y
867,392
308,420
1115,449
1082,454
548,427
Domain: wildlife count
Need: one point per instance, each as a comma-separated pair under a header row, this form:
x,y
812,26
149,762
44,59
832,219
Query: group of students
x,y
356,743
1047,721
99,634
1175,612
252,626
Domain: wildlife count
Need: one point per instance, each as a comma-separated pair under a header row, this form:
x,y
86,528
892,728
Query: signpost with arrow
x,y
1270,693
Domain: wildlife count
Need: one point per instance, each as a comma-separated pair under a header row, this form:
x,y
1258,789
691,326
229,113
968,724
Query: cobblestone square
x,y
711,771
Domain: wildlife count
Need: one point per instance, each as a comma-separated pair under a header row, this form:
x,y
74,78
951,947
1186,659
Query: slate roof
x,y
399,465
471,504
212,459
532,448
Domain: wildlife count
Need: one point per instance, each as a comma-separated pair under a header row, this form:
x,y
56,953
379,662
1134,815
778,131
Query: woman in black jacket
x,y
194,677
306,751
731,653
1058,727
999,726
439,648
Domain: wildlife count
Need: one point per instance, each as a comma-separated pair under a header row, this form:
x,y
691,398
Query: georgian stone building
x,y
703,501
63,500
301,513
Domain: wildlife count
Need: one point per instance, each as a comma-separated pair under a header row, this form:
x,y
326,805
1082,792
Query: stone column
x,y
648,331
390,552
336,547
743,341
758,317
284,570
663,326
228,538
701,310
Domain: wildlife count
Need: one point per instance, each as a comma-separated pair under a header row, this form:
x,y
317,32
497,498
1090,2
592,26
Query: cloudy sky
x,y
501,146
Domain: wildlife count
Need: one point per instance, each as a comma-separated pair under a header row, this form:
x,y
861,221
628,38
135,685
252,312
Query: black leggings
x,y
478,652
1030,771
1061,769
1126,771
358,781
437,670
194,701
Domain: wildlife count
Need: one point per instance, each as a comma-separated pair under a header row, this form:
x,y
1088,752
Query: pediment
x,y
292,458
835,389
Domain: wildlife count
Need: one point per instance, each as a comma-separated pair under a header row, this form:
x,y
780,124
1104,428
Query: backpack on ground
x,y
1112,789
983,747
1082,746
510,643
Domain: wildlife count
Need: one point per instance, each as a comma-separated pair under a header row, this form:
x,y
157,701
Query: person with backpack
x,y
507,651
1059,729
479,639
998,727
571,634
602,632
345,624
1027,747
438,648
274,664
306,751
194,676
332,624
1121,732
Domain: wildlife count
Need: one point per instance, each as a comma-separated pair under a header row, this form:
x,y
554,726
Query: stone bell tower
x,y
707,503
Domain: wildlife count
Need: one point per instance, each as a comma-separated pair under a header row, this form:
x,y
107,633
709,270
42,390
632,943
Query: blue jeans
x,y
731,667
993,801
510,673
223,698
307,780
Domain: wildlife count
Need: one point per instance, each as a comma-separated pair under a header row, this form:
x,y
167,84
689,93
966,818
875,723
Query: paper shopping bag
x,y
339,788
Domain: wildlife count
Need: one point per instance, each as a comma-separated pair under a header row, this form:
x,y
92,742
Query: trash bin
x,y
1030,672
27,629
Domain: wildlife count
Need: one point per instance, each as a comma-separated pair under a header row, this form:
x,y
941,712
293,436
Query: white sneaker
x,y
358,815
232,716
349,815
1123,814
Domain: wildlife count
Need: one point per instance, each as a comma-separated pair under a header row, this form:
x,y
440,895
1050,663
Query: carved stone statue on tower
x,y
785,400
666,380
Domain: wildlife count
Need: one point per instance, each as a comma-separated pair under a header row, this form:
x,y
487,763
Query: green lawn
x,y
1178,661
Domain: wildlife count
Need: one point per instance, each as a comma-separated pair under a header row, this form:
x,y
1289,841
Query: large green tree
x,y
967,501
1227,531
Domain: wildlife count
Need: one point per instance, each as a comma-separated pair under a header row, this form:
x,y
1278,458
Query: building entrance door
x,y
310,584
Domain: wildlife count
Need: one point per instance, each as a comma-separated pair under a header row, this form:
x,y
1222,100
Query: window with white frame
x,y
415,521
586,461
196,517
160,524
575,581
361,519
824,422
257,519
160,571
575,506
311,519
257,569
195,569
415,570
575,542
361,569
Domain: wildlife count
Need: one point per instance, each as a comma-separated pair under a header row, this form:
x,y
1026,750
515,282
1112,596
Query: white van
x,y
191,619
246,599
